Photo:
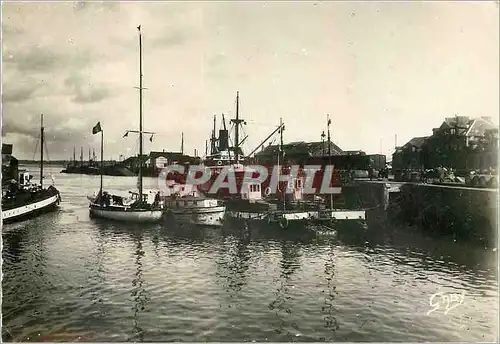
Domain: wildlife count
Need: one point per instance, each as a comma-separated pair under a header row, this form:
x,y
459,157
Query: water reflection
x,y
156,242
12,246
233,263
329,309
139,293
26,240
98,265
289,264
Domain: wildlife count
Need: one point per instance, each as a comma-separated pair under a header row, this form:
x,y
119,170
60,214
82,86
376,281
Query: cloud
x,y
36,59
382,69
173,37
85,92
18,93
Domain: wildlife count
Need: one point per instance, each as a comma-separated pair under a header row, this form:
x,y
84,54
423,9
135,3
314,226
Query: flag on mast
x,y
97,128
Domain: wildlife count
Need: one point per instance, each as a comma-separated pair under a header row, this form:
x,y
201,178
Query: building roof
x,y
134,157
480,126
168,155
416,142
317,148
301,147
462,122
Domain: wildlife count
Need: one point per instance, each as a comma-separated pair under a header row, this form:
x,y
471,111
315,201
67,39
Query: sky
x,y
378,69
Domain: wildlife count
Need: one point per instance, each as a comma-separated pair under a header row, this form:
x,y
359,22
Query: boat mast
x,y
328,122
281,155
227,143
237,121
41,151
74,154
213,139
182,143
102,164
140,113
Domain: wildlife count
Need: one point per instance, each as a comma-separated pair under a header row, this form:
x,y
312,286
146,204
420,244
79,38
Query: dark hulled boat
x,y
22,199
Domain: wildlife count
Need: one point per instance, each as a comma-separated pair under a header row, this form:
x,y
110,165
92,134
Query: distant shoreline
x,y
54,162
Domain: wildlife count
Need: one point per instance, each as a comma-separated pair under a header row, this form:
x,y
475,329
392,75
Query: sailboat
x,y
22,199
139,207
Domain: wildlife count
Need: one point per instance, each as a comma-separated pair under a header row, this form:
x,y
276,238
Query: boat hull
x,y
297,218
212,216
31,210
129,215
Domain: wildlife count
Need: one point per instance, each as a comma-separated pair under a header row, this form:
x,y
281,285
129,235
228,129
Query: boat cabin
x,y
292,190
25,178
181,190
191,202
251,192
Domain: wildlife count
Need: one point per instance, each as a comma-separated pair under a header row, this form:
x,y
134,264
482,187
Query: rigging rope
x,y
46,150
36,147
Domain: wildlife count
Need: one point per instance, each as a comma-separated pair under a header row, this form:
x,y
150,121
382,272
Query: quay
x,y
461,211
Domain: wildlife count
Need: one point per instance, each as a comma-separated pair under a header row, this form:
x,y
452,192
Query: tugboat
x,y
139,207
187,205
22,199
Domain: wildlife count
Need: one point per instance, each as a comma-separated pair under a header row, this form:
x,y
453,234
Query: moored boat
x,y
287,207
138,208
186,204
23,199
118,208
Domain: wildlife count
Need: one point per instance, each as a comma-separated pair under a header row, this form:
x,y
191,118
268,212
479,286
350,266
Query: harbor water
x,y
69,277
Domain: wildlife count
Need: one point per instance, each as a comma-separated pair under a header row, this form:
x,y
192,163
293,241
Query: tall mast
x,y
281,155
323,142
281,138
89,155
41,150
102,165
213,147
328,122
74,154
227,143
140,113
81,155
237,121
182,143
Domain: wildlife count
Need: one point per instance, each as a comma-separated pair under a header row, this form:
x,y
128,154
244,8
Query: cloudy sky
x,y
378,69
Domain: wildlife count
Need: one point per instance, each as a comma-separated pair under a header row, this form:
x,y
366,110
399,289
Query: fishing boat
x,y
139,207
21,198
288,207
187,205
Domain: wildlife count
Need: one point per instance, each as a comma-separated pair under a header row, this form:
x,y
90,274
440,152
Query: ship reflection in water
x,y
67,277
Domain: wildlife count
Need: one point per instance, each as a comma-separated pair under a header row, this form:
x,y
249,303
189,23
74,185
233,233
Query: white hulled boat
x,y
186,204
139,207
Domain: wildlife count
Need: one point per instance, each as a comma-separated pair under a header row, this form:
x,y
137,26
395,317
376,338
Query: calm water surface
x,y
67,277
